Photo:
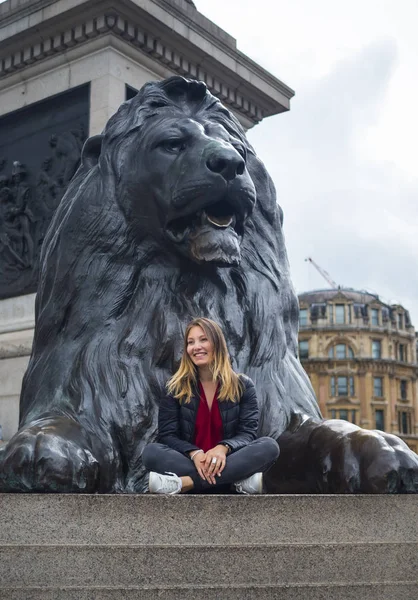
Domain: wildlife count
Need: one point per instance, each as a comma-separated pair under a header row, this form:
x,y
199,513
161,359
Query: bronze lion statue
x,y
172,215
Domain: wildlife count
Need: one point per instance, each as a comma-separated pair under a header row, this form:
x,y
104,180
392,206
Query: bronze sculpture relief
x,y
28,200
172,215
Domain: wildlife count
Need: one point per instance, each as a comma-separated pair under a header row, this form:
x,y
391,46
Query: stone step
x,y
365,591
194,519
137,565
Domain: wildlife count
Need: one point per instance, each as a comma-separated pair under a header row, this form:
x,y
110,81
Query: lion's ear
x,y
91,152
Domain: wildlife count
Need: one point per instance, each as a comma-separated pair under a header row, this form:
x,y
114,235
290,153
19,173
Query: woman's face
x,y
199,347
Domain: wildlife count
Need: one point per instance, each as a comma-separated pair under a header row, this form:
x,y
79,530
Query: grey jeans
x,y
258,456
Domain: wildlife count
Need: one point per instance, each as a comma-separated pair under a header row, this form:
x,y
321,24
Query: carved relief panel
x,y
40,149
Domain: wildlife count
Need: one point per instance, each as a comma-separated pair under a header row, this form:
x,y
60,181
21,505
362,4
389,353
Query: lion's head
x,y
171,215
181,158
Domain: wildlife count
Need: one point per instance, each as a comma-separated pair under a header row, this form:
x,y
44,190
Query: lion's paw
x,y
392,468
44,457
370,462
337,457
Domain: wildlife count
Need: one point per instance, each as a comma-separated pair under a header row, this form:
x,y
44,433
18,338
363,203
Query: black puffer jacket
x,y
176,421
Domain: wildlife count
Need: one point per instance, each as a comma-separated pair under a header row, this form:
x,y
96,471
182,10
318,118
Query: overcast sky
x,y
345,158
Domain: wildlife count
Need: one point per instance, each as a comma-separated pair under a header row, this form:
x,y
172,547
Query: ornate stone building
x,y
360,355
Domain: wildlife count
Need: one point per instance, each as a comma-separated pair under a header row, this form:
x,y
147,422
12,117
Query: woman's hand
x,y
199,462
215,460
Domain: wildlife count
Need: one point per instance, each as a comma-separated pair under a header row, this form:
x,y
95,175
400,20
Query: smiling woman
x,y
210,413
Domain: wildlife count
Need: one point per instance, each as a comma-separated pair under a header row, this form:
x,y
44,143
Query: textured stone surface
x,y
16,343
363,591
17,314
171,565
146,519
11,375
9,415
75,547
168,24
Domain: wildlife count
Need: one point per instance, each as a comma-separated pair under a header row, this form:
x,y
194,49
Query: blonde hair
x,y
185,378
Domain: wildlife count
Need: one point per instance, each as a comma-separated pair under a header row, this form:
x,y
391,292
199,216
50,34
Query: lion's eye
x,y
175,145
241,150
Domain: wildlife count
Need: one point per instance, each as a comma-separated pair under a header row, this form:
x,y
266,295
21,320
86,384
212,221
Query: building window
x,y
340,386
340,351
304,349
318,311
340,314
375,316
345,414
404,422
378,387
400,321
404,389
303,316
379,417
402,352
376,349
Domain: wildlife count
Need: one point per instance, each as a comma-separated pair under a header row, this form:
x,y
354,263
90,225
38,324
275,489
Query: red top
x,y
209,427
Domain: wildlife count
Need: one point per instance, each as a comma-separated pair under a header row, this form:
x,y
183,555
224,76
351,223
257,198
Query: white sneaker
x,y
251,485
168,483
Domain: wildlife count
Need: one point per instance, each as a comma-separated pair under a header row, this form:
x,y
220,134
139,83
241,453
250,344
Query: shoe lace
x,y
173,483
240,489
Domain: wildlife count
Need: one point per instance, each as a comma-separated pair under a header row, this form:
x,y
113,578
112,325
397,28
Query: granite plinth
x,y
69,547
372,591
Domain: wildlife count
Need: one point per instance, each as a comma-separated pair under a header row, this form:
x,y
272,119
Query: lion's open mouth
x,y
220,215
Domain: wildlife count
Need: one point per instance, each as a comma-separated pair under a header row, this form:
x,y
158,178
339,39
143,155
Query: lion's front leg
x,y
337,457
51,454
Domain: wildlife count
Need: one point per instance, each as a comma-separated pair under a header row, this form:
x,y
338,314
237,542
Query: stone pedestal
x,y
55,547
17,319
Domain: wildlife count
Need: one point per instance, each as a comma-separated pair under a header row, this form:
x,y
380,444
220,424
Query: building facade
x,y
360,355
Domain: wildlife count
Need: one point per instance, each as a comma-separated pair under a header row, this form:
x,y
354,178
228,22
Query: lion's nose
x,y
227,162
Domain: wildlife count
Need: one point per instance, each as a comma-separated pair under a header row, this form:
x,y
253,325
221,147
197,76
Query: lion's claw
x,y
336,457
44,458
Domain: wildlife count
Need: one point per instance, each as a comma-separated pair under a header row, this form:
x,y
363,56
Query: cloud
x,y
354,214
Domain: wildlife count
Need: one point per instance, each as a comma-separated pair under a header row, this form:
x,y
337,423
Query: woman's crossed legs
x,y
256,457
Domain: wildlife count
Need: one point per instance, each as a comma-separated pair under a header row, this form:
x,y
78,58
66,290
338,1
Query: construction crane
x,y
324,274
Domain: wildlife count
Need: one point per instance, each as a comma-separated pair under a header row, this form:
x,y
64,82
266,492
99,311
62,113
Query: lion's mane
x,y
111,309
